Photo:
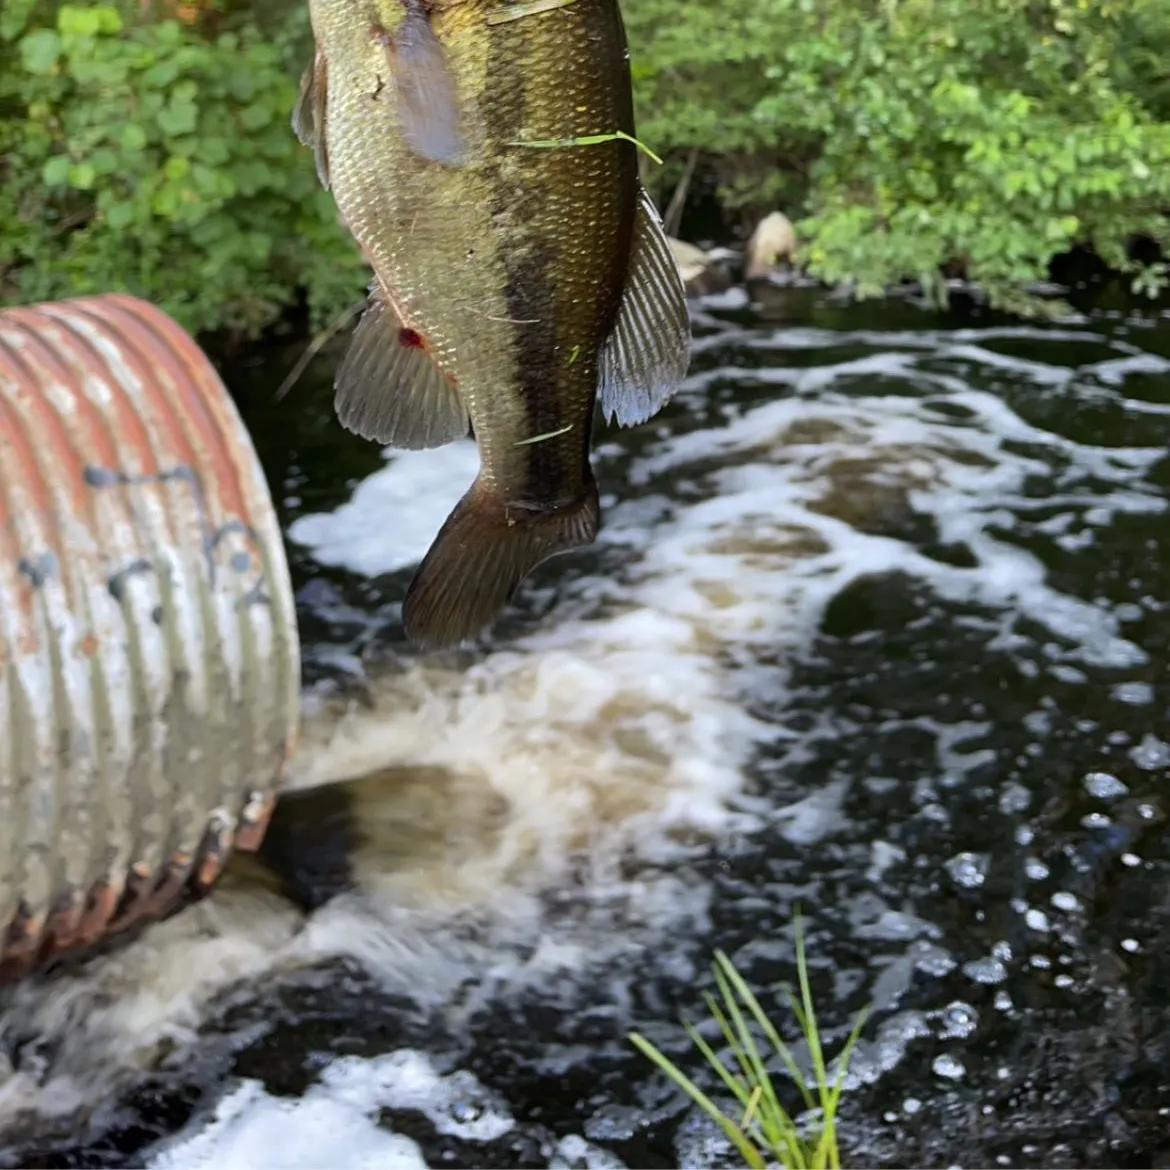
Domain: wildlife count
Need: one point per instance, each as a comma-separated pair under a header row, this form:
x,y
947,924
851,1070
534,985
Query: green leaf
x,y
178,119
82,176
120,216
78,22
133,137
55,172
40,51
14,18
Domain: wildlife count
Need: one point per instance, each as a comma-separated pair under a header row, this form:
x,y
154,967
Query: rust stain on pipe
x,y
149,662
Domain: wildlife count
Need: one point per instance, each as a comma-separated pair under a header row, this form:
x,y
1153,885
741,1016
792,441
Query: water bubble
x,y
1003,1001
1015,798
1002,951
987,971
1037,920
1065,901
1043,962
1104,786
911,1105
1151,754
1035,869
1130,859
949,1067
1063,981
959,1020
1128,611
1137,694
1130,944
1024,835
968,870
932,960
1096,821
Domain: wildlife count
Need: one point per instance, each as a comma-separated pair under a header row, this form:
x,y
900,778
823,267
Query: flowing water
x,y
876,627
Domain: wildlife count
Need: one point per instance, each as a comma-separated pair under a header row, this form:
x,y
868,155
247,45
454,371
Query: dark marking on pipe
x,y
117,582
38,569
239,560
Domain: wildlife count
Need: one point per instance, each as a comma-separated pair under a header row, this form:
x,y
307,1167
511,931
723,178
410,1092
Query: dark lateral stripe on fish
x,y
531,297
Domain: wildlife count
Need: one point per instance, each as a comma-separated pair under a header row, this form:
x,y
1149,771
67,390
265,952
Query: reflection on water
x,y
876,625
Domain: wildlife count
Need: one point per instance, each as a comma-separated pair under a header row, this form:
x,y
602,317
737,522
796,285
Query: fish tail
x,y
482,553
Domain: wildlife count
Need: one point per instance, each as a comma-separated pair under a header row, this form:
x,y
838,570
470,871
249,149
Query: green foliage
x,y
158,159
145,144
765,1133
984,135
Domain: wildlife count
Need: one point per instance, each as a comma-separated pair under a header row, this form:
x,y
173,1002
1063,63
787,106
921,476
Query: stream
x,y
877,628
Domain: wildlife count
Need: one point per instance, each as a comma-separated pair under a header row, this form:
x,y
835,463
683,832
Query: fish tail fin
x,y
482,553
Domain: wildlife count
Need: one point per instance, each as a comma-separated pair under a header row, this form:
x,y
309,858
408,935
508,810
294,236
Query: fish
x,y
482,153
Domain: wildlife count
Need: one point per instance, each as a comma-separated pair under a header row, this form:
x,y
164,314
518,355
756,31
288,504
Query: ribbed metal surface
x,y
149,663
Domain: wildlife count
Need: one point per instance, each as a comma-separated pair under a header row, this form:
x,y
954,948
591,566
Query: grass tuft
x,y
763,1131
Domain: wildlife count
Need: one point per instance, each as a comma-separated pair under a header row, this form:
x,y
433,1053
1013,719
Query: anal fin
x,y
308,119
647,353
391,389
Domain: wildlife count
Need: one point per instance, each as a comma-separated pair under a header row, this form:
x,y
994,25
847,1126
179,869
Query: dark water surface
x,y
878,626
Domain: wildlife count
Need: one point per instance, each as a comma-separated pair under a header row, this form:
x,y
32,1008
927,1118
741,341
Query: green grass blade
x,y
735,1086
747,1151
769,1029
779,1130
809,1016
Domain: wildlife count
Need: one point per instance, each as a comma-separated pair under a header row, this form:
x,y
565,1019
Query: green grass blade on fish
x,y
751,1156
519,11
586,140
543,438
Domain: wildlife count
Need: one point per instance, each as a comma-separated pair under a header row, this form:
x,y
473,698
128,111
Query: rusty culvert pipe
x,y
149,662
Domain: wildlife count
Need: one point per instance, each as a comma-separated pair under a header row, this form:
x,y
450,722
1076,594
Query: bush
x,y
913,135
145,144
150,157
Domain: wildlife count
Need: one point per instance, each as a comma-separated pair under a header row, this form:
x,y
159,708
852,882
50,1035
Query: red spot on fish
x,y
410,338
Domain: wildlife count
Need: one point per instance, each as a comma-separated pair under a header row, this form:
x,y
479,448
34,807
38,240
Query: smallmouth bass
x,y
515,285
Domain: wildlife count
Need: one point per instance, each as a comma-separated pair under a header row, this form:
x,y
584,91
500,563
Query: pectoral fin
x,y
389,387
646,355
428,100
308,120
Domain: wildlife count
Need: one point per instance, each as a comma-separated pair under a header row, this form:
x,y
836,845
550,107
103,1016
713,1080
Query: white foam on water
x,y
616,740
393,516
337,1121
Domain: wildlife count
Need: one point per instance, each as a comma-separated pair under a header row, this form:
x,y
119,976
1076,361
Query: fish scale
x,y
514,283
